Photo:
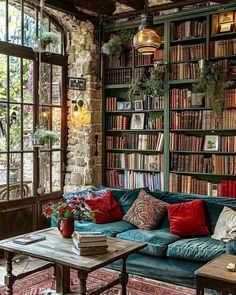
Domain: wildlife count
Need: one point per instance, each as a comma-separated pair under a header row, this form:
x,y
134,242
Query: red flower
x,y
69,208
61,211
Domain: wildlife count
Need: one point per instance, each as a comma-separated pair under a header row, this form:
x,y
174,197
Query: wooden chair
x,y
14,191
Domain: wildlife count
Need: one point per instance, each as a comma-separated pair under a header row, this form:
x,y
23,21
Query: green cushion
x,y
157,240
196,249
109,229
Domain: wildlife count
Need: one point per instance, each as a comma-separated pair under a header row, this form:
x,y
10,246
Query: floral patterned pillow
x,y
146,212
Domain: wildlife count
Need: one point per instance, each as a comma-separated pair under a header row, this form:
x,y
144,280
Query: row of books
x,y
185,98
135,161
89,243
113,61
140,59
118,76
187,52
159,55
216,164
188,29
188,184
153,102
133,179
206,119
186,70
230,98
111,103
155,123
183,142
136,141
223,48
118,122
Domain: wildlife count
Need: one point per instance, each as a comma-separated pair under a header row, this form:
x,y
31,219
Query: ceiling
x,y
114,9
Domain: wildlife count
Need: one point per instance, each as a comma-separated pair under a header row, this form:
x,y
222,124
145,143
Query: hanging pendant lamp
x,y
146,41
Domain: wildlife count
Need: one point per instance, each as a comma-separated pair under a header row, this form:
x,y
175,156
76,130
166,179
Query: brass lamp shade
x,y
146,41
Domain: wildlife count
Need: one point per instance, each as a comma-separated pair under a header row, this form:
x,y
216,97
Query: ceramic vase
x,y
66,227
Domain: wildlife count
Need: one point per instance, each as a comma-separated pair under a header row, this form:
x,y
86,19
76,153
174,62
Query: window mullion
x,y
21,128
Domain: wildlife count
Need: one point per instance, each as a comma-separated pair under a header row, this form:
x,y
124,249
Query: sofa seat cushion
x,y
196,249
157,240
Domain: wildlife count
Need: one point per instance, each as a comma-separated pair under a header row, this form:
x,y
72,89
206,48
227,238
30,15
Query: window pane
x,y
14,23
3,171
27,127
56,125
15,82
15,165
29,26
28,169
56,84
15,127
28,80
56,171
44,171
3,77
2,20
3,127
57,48
44,91
44,118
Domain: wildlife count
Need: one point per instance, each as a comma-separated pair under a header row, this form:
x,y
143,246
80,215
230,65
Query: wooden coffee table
x,y
58,250
214,275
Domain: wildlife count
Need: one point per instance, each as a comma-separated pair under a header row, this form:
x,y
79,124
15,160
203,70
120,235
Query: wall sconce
x,y
77,105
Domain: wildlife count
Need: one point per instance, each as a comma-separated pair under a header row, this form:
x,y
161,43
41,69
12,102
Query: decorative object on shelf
x,y
146,41
42,136
138,105
113,46
211,143
226,22
66,211
123,106
137,121
77,83
212,81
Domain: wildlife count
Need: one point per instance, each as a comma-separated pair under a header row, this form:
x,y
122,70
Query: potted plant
x,y
113,46
212,82
42,136
48,38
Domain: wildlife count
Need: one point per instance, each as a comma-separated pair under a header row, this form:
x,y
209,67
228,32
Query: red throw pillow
x,y
106,208
188,219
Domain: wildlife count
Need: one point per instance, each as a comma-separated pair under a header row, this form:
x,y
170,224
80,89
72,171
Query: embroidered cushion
x,y
146,212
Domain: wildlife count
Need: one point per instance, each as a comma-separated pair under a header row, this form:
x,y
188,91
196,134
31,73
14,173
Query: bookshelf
x,y
184,161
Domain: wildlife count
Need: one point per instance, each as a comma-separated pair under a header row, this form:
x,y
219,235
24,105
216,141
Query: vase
x,y
66,227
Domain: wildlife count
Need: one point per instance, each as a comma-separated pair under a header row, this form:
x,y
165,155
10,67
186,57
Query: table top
x,y
57,249
217,269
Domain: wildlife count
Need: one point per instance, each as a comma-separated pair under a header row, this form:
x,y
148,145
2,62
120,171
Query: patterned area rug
x,y
41,282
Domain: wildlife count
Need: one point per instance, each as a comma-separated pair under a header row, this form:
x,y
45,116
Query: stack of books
x,y
89,243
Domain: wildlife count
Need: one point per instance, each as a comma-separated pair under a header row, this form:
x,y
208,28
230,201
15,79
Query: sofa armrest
x,y
231,247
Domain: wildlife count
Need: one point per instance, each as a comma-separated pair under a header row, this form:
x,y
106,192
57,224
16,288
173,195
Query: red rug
x,y
36,284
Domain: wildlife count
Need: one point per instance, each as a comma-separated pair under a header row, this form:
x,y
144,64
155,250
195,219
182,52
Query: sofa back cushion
x,y
188,219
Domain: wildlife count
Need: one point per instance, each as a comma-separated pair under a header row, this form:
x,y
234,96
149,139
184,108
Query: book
x,y
82,244
89,251
29,239
89,236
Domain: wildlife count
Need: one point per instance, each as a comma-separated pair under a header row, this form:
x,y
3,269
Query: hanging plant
x,y
212,81
113,46
126,37
48,38
42,136
136,88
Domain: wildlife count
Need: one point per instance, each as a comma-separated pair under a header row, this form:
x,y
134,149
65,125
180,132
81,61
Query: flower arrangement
x,y
113,46
75,208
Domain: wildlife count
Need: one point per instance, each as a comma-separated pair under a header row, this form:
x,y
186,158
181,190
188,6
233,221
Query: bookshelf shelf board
x,y
135,150
184,81
203,130
133,111
117,68
223,36
136,130
203,152
129,169
185,61
223,57
188,40
203,174
143,66
116,86
190,109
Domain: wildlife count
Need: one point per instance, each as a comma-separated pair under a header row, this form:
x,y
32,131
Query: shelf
x,y
133,111
203,152
136,130
185,61
190,109
204,174
143,66
188,40
117,68
184,81
223,35
135,150
114,86
203,131
136,170
222,57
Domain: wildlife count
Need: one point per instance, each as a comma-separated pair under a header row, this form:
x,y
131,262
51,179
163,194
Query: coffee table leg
x,y
9,277
62,279
82,282
124,277
199,287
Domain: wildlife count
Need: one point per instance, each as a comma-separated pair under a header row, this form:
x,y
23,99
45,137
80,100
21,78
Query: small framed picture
x,y
226,17
77,83
137,121
138,105
211,143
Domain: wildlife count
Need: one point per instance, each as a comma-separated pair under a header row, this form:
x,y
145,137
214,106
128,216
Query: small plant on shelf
x,y
113,46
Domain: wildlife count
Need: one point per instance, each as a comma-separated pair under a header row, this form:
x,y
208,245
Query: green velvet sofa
x,y
167,257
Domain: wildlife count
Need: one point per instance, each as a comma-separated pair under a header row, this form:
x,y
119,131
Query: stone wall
x,y
83,167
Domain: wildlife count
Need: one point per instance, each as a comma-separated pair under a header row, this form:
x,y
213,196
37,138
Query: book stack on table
x,y
89,243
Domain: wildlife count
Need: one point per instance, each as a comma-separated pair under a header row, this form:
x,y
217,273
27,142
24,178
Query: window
x,y
25,170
